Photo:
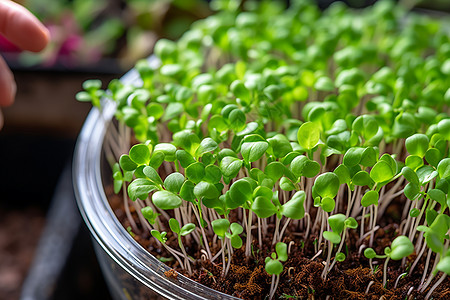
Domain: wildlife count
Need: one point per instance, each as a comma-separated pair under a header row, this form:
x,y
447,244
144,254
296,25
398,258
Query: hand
x,y
23,29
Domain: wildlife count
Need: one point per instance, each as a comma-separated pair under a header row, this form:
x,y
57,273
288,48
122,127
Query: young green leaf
x,y
174,225
159,236
195,172
340,257
206,190
337,222
240,192
140,188
369,198
370,253
253,151
443,168
184,158
417,144
273,266
308,135
187,229
149,214
230,166
401,247
381,172
444,265
220,227
166,200
152,174
410,175
174,182
294,208
236,229
263,207
275,170
126,163
140,154
332,236
206,145
327,185
187,191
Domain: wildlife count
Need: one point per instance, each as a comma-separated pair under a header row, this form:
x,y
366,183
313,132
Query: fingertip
x,y
1,119
42,39
22,28
8,86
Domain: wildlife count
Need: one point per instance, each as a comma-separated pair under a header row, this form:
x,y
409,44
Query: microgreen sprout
x,y
311,131
274,265
401,247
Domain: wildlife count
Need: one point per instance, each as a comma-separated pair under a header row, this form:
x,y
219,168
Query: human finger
x,y
1,119
7,84
21,27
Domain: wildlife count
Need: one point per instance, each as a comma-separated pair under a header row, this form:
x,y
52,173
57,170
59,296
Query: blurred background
x,y
90,39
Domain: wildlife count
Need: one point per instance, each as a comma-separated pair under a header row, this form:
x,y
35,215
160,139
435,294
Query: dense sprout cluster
x,y
263,120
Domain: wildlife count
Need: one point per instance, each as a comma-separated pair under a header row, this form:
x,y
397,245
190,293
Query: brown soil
x,y
301,277
19,236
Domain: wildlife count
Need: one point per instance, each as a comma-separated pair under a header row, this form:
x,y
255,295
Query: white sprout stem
x,y
212,217
367,234
186,256
424,287
349,200
116,149
339,249
385,269
187,219
325,268
127,209
361,232
264,226
286,223
205,238
338,202
368,287
425,269
308,225
175,254
409,219
138,205
418,258
318,220
249,234
229,257
162,212
322,227
316,255
387,199
217,254
371,264
373,225
430,292
398,279
433,270
259,233
273,287
356,204
413,228
419,241
223,258
158,226
276,231
406,209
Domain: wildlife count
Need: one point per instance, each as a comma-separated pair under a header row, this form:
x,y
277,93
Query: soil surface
x,y
301,277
